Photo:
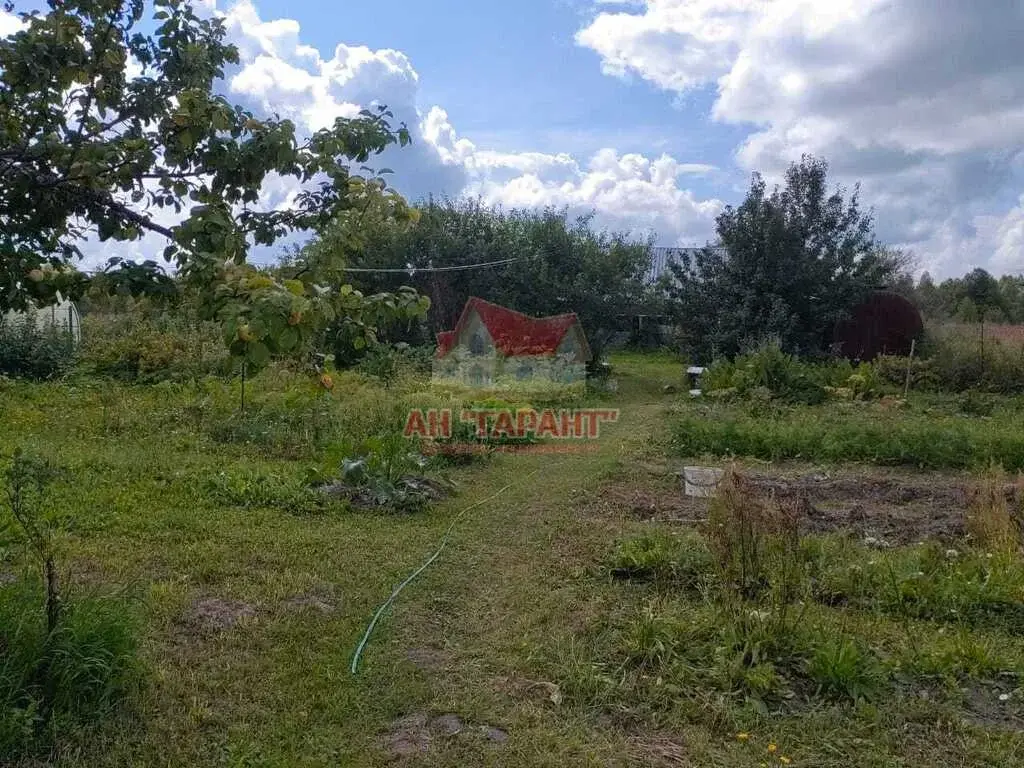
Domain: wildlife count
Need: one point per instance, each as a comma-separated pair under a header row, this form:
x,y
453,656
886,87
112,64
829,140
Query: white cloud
x,y
923,101
992,241
279,74
677,44
627,192
9,24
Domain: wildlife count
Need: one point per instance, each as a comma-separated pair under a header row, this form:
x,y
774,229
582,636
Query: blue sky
x,y
652,114
513,79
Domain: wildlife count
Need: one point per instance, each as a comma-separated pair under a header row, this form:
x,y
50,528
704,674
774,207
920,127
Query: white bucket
x,y
701,482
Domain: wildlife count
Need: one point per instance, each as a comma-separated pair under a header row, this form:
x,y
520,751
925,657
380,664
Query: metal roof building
x,y
662,256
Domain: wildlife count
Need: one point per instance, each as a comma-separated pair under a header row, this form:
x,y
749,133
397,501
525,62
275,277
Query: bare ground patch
x,y
658,751
214,614
420,732
428,658
885,505
994,704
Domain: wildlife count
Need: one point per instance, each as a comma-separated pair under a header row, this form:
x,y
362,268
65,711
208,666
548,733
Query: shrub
x,y
32,352
387,364
137,346
785,377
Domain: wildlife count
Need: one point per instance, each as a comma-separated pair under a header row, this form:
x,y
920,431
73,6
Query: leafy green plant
x,y
864,382
661,558
782,376
844,669
251,489
385,471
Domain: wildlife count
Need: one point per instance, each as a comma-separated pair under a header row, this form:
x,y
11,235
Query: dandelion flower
x,y
784,760
772,747
742,736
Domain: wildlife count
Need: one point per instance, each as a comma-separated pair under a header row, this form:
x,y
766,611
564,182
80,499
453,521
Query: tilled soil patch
x,y
882,505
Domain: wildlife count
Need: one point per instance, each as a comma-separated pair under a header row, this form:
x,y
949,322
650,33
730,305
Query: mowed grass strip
x,y
857,432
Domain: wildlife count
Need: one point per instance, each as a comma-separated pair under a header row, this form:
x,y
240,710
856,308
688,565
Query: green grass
x,y
590,638
927,437
172,492
830,681
73,679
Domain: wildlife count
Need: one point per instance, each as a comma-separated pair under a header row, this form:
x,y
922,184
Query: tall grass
x,y
54,684
990,521
956,359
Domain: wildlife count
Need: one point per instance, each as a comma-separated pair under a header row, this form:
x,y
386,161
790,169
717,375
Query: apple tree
x,y
110,116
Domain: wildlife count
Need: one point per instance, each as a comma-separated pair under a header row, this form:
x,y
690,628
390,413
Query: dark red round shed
x,y
884,324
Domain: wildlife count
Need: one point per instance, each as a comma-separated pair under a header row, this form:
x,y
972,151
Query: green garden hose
x,y
437,553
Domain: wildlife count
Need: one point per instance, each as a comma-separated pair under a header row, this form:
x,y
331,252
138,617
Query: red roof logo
x,y
514,333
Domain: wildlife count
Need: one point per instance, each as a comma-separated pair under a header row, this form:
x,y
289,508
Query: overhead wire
x,y
453,268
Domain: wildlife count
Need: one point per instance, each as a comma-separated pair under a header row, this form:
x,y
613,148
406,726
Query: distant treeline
x,y
972,298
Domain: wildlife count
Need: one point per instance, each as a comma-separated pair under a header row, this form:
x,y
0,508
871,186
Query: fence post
x,y
910,359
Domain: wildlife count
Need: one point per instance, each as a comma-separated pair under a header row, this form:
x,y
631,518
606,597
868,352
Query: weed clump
x,y
679,562
990,521
845,670
755,543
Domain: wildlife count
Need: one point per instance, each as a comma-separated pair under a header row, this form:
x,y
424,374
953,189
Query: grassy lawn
x,y
559,626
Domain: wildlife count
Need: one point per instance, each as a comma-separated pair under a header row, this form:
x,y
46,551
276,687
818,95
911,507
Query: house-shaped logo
x,y
491,344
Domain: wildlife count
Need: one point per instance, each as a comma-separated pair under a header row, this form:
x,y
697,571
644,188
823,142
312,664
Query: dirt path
x,y
507,588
